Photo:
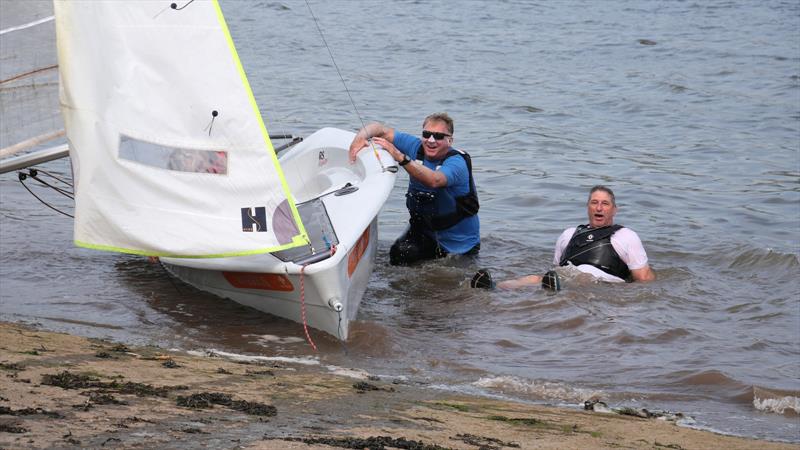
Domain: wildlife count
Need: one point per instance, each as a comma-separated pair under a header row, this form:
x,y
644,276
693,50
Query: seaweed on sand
x,y
209,399
12,366
67,380
362,387
484,443
29,411
12,428
370,443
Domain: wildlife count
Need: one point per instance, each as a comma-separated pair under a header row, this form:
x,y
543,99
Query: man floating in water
x,y
601,249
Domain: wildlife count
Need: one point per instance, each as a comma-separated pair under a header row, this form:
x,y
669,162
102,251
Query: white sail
x,y
170,153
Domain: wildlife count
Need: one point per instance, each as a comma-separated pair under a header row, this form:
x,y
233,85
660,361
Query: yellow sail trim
x,y
297,241
302,238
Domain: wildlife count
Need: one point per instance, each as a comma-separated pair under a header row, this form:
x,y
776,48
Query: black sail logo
x,y
254,219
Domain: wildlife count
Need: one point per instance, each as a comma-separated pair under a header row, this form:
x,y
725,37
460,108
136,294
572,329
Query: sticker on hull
x,y
357,252
263,281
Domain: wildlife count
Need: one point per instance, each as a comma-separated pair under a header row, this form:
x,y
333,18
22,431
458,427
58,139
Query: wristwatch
x,y
405,160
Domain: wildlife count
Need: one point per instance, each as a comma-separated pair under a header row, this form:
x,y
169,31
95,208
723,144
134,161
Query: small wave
x,y
306,361
361,374
673,87
660,338
572,323
505,343
85,323
357,374
369,338
524,108
779,402
267,339
783,405
709,378
764,258
536,390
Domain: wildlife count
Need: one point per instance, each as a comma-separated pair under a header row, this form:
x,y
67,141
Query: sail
x,y
170,154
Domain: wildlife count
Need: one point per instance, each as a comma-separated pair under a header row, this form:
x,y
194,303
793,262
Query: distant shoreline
x,y
63,390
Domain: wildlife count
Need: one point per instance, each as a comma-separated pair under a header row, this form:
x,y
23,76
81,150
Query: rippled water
x,y
690,111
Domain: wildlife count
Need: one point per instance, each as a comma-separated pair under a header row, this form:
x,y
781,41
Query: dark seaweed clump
x,y
141,389
12,366
209,399
204,400
484,443
362,387
370,443
5,410
170,364
121,348
67,380
100,398
12,428
530,421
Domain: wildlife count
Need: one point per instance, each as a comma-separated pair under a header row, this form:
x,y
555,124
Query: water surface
x,y
690,111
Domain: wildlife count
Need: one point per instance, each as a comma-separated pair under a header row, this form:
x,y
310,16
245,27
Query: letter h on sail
x,y
254,219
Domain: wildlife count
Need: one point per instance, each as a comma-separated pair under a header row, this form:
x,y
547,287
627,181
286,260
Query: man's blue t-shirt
x,y
463,236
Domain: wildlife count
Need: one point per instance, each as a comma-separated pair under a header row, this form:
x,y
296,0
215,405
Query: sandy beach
x,y
64,391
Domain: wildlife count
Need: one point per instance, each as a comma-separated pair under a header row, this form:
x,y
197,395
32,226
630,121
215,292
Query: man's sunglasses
x,y
438,136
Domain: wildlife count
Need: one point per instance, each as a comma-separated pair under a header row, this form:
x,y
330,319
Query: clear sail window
x,y
320,231
173,158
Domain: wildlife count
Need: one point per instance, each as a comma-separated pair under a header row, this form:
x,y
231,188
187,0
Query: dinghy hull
x,y
321,287
328,291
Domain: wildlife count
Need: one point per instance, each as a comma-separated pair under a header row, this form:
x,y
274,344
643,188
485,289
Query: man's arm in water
x,y
643,274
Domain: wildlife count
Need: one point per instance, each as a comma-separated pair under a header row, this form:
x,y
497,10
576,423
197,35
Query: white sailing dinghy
x,y
171,158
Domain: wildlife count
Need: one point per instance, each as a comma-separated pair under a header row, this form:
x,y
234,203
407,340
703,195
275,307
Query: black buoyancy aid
x,y
593,246
428,205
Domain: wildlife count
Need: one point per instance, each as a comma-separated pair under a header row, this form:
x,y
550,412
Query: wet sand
x,y
63,391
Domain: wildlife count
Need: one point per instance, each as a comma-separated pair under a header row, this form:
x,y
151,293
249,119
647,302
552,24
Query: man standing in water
x,y
441,199
606,251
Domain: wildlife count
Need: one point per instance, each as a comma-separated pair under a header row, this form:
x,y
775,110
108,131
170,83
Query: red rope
x,y
303,306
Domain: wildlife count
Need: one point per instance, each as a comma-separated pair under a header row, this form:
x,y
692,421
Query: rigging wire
x,y
392,169
157,260
33,174
27,25
352,102
339,332
175,5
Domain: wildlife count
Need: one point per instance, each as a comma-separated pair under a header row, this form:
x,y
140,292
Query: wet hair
x,y
440,117
605,189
